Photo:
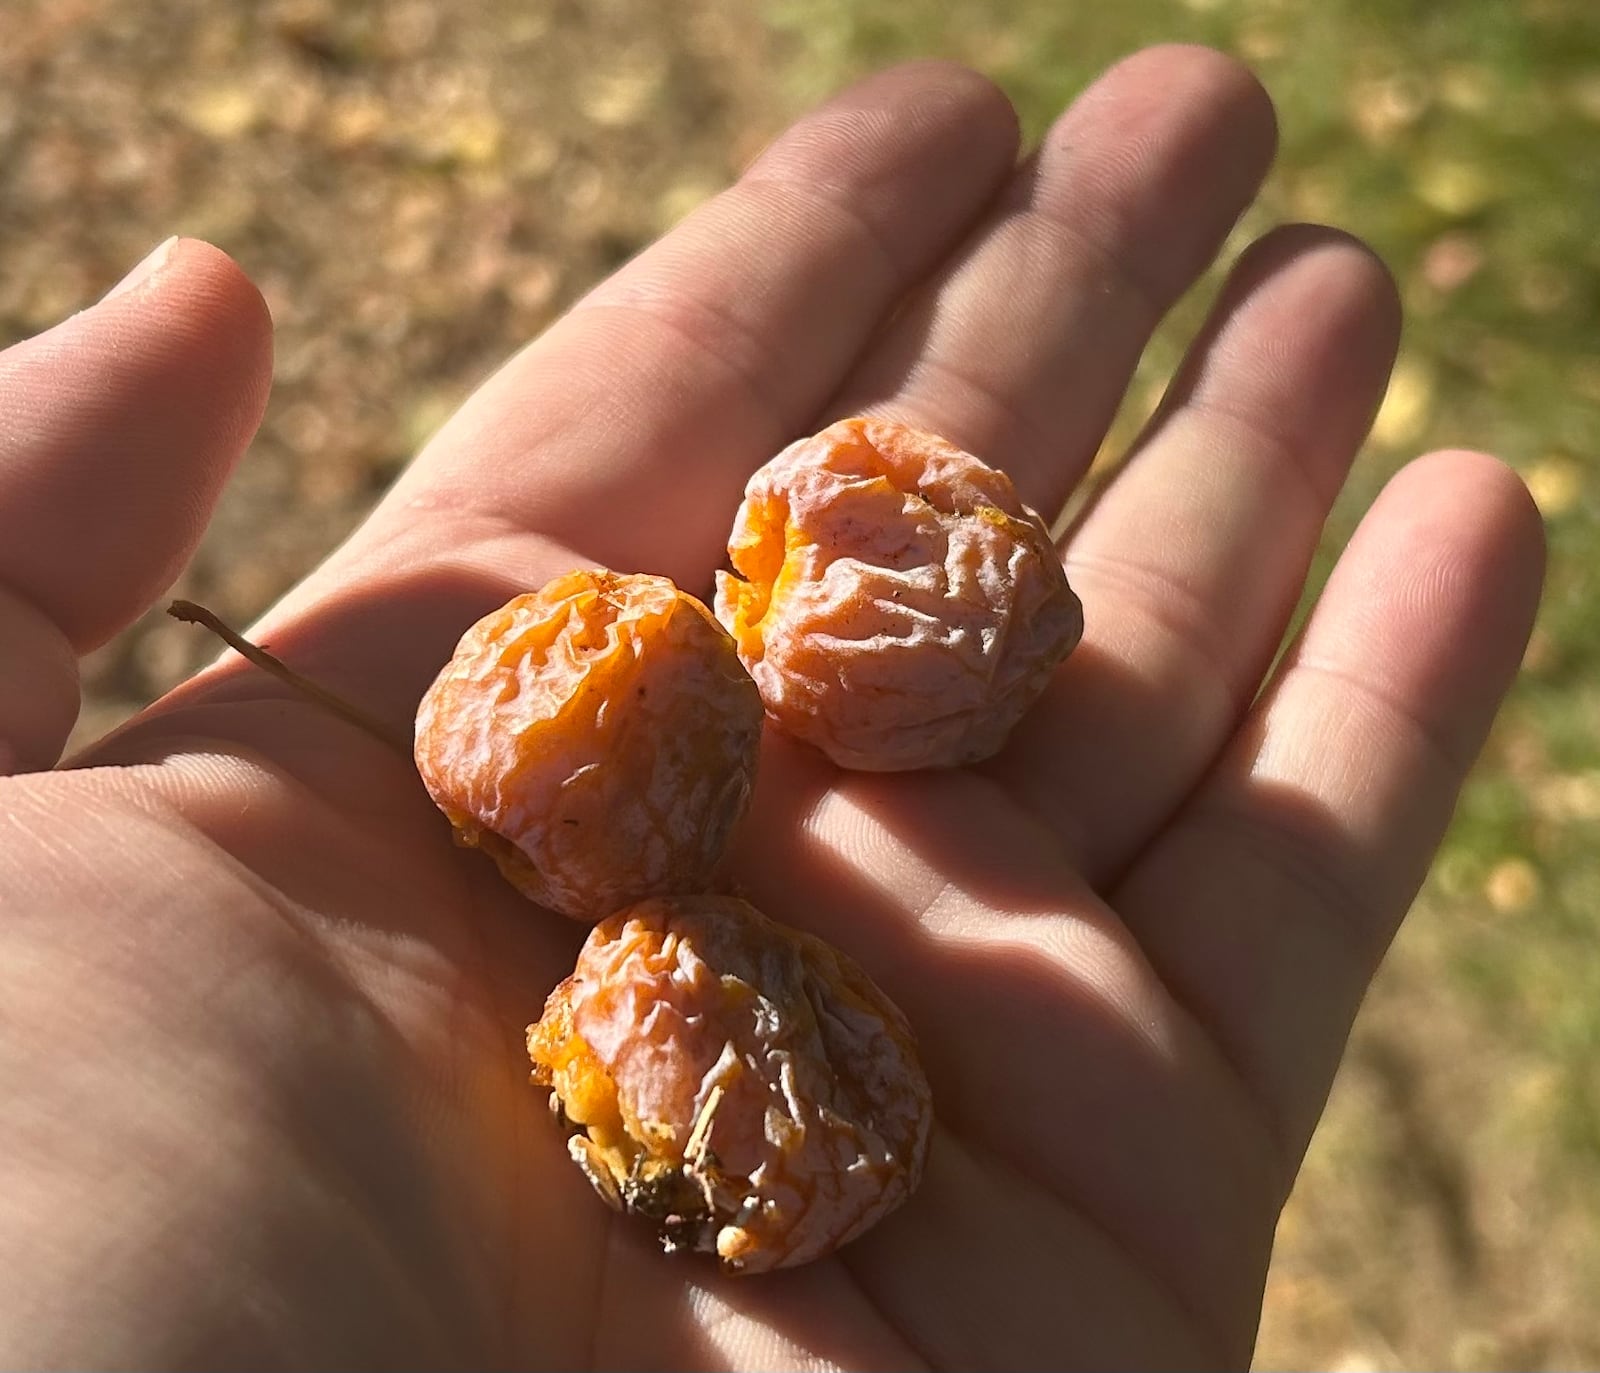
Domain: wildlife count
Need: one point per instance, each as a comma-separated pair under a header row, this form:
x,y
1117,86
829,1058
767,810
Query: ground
x,y
420,186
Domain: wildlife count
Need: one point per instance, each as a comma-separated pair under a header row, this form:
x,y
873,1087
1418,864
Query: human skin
x,y
261,1043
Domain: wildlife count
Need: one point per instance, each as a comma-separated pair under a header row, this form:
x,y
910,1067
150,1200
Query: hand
x,y
262,1059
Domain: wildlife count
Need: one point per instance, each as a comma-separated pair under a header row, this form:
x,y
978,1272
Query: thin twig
x,y
190,613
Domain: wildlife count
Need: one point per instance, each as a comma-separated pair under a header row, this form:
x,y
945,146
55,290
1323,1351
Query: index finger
x,y
623,436
626,432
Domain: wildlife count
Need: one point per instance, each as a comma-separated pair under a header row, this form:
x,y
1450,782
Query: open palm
x,y
261,1044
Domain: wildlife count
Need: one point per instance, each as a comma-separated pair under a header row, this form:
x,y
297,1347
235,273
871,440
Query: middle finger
x,y
1021,349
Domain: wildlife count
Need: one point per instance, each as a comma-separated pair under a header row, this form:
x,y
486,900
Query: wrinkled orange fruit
x,y
742,1087
896,603
598,738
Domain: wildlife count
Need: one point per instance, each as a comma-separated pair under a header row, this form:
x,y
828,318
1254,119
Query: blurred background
x,y
420,185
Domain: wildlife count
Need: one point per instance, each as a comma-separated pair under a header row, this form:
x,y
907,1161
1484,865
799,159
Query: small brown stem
x,y
193,614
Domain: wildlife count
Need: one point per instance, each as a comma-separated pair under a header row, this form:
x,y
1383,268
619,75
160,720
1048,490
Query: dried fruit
x,y
598,738
897,604
743,1086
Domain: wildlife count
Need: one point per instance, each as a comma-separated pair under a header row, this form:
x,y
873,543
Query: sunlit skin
x,y
262,1053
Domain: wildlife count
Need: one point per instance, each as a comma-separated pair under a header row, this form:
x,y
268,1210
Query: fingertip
x,y
145,270
131,415
214,274
197,268
1180,72
1326,290
938,80
1487,499
966,90
1474,469
1434,600
930,102
1302,338
225,315
1171,136
213,319
1325,249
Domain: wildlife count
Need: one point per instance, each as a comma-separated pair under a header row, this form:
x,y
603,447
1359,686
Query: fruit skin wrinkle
x,y
743,1087
597,737
896,603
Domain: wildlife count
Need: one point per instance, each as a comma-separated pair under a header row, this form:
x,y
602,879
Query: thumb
x,y
118,429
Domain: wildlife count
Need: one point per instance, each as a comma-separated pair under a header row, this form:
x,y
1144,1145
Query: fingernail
x,y
145,270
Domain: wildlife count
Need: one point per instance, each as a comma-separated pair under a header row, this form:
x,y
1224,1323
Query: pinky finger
x,y
1269,900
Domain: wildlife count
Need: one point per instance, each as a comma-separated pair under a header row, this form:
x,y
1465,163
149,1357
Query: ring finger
x,y
1191,562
